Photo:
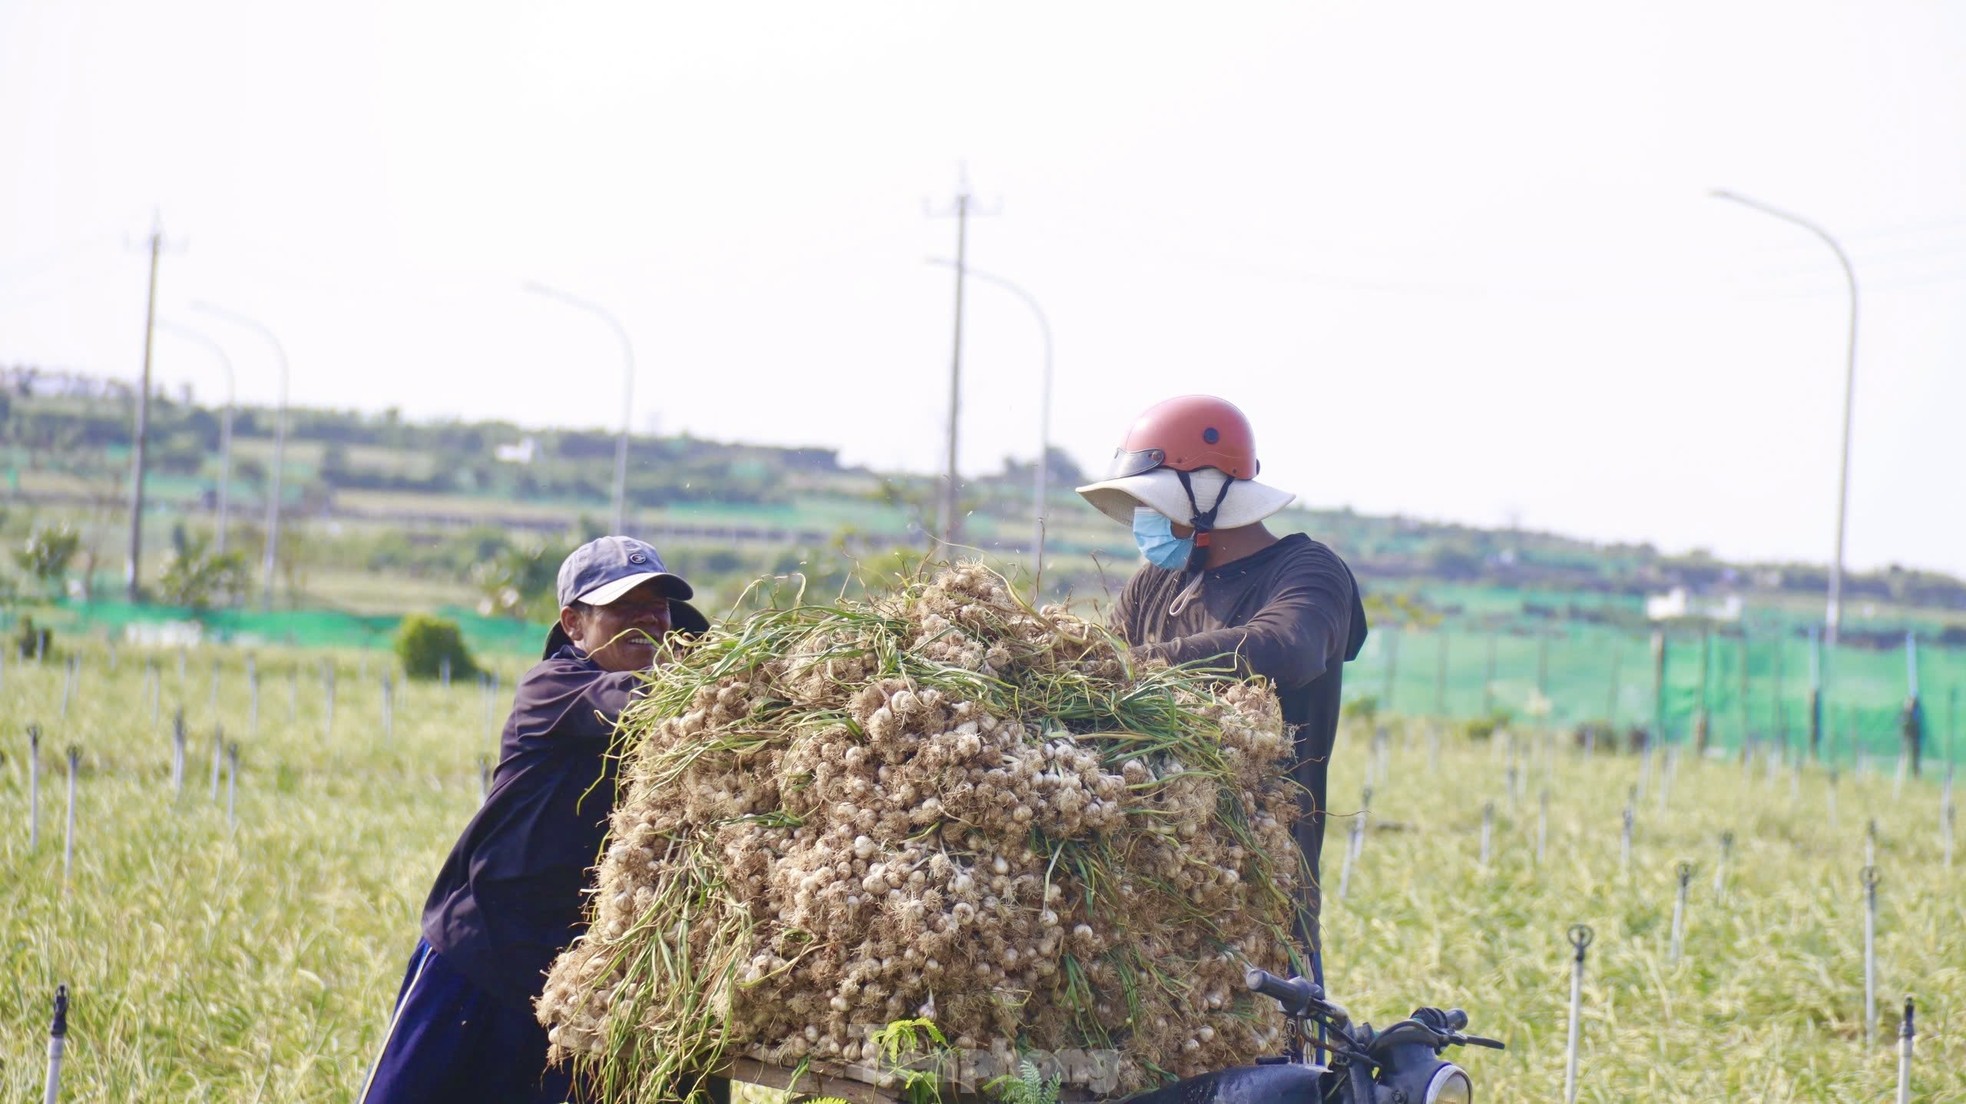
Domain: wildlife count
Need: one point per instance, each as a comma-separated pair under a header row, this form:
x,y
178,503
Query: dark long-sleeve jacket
x,y
508,899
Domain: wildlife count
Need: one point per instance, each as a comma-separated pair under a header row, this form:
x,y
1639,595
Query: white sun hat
x,y
1246,502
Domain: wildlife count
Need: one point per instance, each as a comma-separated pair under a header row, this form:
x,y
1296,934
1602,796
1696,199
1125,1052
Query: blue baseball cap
x,y
606,568
599,572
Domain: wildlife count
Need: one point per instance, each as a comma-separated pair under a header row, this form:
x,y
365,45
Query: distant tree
x,y
517,582
46,554
198,578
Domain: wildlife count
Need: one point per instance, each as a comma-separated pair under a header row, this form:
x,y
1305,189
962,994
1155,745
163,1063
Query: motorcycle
x,y
1399,1065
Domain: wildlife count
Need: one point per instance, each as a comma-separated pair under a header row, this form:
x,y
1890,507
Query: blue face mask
x,y
1155,536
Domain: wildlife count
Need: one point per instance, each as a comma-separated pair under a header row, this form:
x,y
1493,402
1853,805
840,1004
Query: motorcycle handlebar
x,y
1295,994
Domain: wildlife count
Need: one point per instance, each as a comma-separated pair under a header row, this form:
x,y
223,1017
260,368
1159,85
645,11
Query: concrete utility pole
x,y
224,426
143,420
948,523
1042,489
627,391
271,559
1833,617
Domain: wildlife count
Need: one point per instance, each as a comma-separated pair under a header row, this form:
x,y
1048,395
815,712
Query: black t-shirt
x,y
508,899
1290,613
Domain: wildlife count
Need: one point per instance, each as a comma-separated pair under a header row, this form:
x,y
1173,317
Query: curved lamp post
x,y
1834,615
1043,466
279,447
627,389
224,425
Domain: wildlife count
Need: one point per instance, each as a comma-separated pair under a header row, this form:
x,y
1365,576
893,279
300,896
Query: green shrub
x,y
424,641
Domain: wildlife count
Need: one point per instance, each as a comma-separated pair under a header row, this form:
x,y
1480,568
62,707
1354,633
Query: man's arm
x,y
1292,639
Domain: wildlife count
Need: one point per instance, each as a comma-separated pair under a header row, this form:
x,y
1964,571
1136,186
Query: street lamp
x,y
627,389
1834,616
224,425
279,447
1044,412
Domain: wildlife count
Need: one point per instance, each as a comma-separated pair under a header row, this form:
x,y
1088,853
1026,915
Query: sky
x,y
1459,262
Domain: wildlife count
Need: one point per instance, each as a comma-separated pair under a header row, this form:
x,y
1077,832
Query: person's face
x,y
624,635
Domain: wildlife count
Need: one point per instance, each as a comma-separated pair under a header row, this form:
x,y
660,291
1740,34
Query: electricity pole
x,y
948,522
143,420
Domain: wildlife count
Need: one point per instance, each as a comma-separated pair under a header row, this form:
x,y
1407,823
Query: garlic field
x,y
241,939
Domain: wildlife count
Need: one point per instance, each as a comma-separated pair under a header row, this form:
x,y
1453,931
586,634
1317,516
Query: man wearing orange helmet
x,y
1219,586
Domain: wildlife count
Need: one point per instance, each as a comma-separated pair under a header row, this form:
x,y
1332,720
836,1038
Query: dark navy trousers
x,y
450,1042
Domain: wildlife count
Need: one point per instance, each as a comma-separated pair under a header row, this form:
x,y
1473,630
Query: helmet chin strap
x,y
1204,520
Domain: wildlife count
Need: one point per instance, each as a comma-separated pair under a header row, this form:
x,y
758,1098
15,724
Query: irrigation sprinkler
x,y
487,692
1625,843
1667,759
68,837
1487,831
1685,872
1870,842
1720,868
1870,879
252,701
34,786
1511,779
58,1041
484,776
153,680
68,683
327,718
1353,845
212,706
218,753
177,753
1833,775
231,784
1905,1034
1392,668
1364,813
1951,817
1580,941
1542,824
444,671
388,709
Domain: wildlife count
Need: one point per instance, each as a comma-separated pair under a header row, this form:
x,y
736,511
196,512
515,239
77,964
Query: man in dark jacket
x,y
1219,586
508,899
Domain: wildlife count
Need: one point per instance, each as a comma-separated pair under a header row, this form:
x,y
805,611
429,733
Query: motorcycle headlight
x,y
1449,1085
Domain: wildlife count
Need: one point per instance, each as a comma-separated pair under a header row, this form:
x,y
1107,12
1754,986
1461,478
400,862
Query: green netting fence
x,y
1753,689
287,628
